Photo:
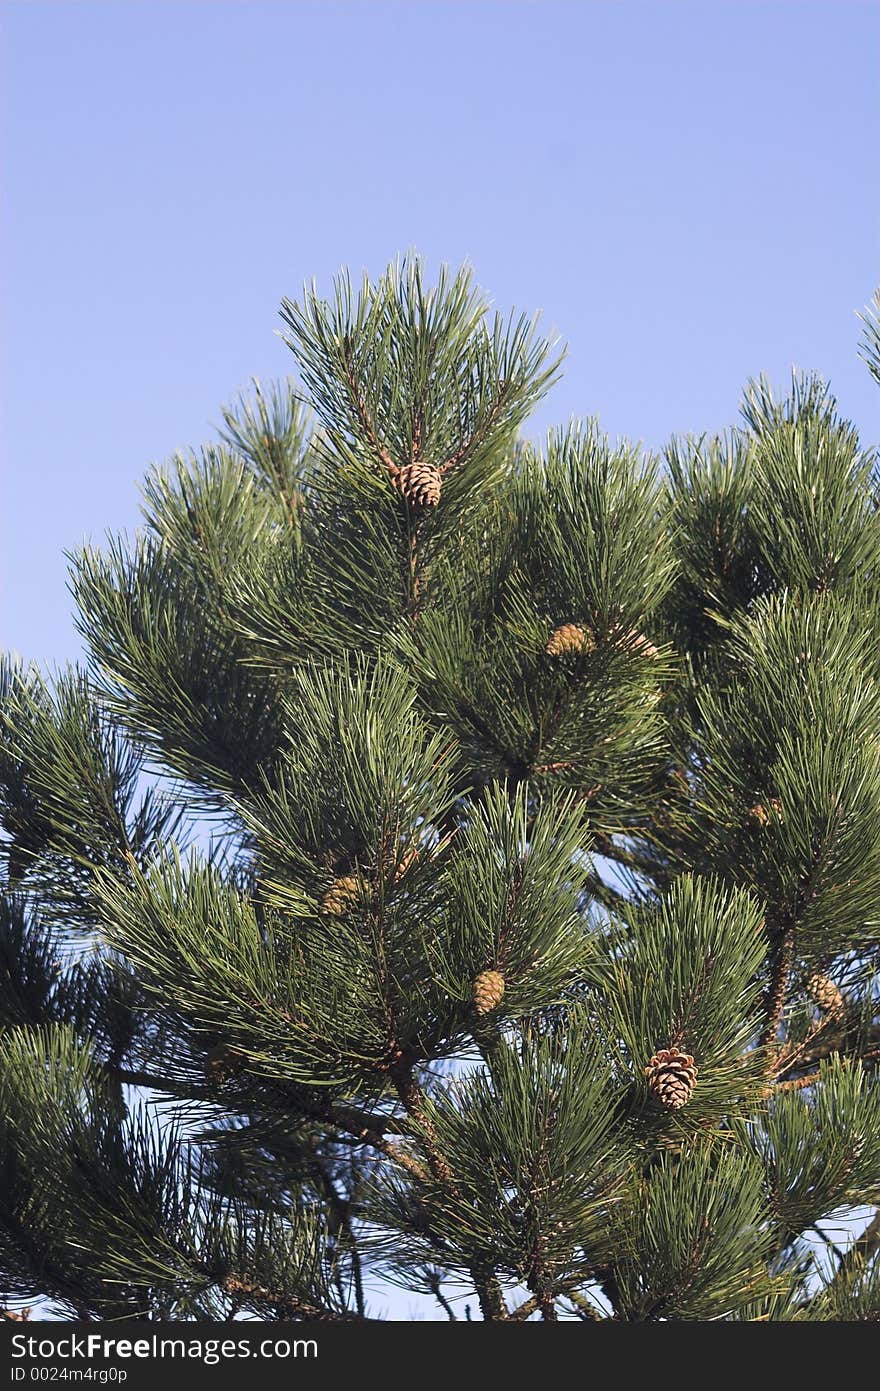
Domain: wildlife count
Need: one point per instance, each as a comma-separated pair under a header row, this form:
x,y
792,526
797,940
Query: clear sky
x,y
688,191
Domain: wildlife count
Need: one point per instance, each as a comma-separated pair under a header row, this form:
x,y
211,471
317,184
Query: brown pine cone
x,y
341,896
569,639
644,647
637,642
219,1064
672,1077
759,815
826,995
488,991
420,483
406,864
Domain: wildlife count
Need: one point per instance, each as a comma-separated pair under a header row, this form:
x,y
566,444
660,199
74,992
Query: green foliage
x,y
592,540
796,665
513,883
575,763
29,967
820,1151
175,670
358,778
113,1215
687,973
271,433
577,537
71,800
711,484
688,1240
404,371
871,338
540,1160
812,513
853,1297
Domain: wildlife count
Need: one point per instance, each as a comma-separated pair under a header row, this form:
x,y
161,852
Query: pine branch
x,y
341,1210
360,1125
492,1305
286,1306
857,1256
483,430
783,954
533,1304
586,1309
525,1310
381,453
792,1085
484,1277
835,1044
434,1284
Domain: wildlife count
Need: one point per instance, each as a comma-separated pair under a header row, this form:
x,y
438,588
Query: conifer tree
x,y
458,862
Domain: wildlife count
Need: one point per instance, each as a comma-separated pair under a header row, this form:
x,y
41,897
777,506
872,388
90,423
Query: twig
x,y
377,1141
410,1093
793,1085
782,960
548,1308
492,1305
288,1305
364,417
341,1209
525,1310
533,1303
358,1124
478,435
434,1284
586,1309
413,1100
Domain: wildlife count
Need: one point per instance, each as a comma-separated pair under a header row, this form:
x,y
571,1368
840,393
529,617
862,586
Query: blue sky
x,y
689,192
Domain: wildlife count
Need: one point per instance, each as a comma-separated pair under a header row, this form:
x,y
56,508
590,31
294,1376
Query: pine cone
x,y
644,647
637,641
827,996
219,1064
758,815
405,865
672,1076
488,991
341,896
569,639
420,483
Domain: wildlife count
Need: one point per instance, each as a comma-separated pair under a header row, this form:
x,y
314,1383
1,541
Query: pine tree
x,y
459,861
